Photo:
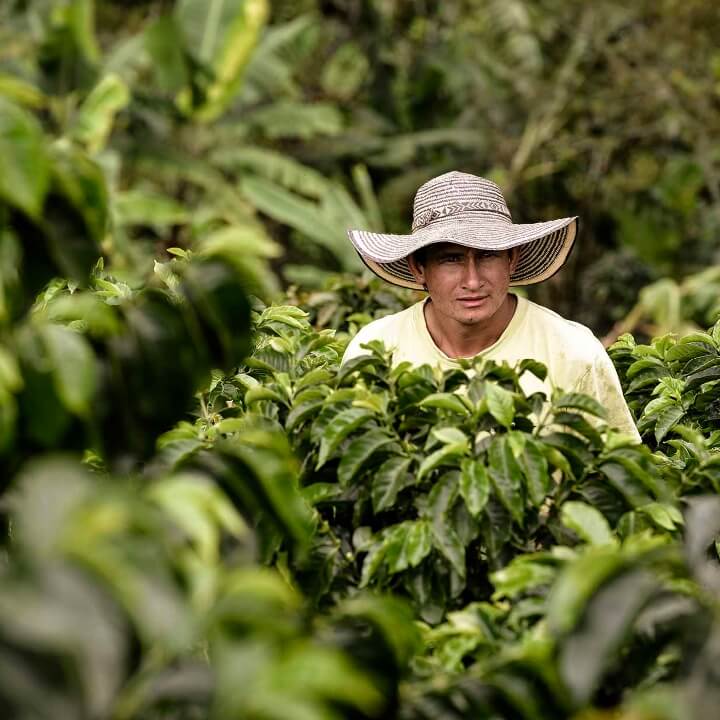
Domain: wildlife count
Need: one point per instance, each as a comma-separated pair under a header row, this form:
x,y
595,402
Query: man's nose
x,y
472,278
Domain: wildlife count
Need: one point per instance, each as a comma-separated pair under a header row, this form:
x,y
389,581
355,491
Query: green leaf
x,y
301,214
501,404
82,182
310,405
320,492
533,366
440,502
344,423
474,485
231,425
688,350
506,476
587,523
318,376
557,459
201,509
163,42
393,617
144,207
275,166
10,376
25,175
716,334
578,401
97,113
73,367
664,515
290,119
390,478
587,655
521,575
266,478
358,453
80,19
535,468
256,394
343,75
624,481
448,435
580,425
445,401
576,585
222,34
19,91
447,455
411,544
666,420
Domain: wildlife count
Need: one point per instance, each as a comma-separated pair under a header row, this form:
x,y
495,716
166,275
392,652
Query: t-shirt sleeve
x,y
601,382
376,330
353,348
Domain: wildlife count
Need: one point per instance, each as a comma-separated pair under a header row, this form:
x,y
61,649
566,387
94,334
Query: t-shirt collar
x,y
508,332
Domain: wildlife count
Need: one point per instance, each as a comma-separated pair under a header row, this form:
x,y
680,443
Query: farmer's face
x,y
466,285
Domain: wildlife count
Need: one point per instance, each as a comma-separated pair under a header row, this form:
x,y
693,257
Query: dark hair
x,y
420,255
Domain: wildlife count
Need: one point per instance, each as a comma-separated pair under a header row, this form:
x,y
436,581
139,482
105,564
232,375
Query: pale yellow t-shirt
x,y
575,358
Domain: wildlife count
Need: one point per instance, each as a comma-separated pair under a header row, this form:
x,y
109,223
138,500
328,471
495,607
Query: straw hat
x,y
467,210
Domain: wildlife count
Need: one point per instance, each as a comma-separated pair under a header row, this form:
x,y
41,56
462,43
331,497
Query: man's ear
x,y
417,269
514,256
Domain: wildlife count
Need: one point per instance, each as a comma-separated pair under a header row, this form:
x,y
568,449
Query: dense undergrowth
x,y
330,542
203,515
364,541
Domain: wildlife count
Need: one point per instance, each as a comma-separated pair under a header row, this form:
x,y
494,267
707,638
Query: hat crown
x,y
457,193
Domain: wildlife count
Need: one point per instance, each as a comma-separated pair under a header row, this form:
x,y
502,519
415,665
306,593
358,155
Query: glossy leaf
x,y
444,401
344,423
389,479
580,402
522,575
587,523
534,465
359,452
506,476
445,538
449,454
474,485
501,404
410,546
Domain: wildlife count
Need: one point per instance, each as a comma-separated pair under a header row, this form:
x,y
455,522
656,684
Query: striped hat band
x,y
470,211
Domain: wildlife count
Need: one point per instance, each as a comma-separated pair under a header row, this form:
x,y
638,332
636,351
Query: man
x,y
466,252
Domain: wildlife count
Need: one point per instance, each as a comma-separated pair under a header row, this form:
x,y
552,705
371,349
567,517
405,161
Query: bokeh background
x,y
198,507
327,114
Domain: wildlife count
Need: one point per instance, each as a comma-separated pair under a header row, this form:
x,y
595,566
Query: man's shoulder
x,y
388,323
387,329
572,335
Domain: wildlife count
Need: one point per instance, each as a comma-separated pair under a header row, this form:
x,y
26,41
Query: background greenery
x,y
202,515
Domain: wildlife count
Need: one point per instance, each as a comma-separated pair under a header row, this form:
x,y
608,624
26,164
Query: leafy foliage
x,y
325,542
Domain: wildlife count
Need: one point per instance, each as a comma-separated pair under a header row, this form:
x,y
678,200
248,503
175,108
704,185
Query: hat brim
x,y
544,247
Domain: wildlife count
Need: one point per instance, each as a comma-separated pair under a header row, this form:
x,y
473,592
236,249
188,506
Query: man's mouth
x,y
472,301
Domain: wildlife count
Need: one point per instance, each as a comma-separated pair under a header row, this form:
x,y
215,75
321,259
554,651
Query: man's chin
x,y
470,318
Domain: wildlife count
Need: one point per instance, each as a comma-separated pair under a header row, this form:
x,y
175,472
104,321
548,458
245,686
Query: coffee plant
x,y
204,515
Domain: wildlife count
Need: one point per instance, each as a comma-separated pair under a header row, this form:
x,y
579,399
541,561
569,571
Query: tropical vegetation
x,y
202,513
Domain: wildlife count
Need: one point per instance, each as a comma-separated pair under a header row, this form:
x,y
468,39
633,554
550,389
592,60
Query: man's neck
x,y
457,340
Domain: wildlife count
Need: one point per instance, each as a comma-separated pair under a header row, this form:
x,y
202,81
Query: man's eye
x,y
452,258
